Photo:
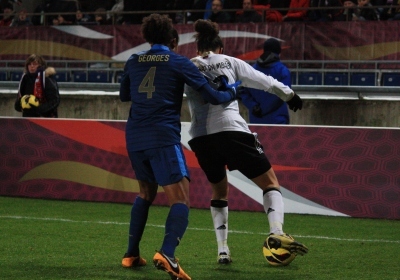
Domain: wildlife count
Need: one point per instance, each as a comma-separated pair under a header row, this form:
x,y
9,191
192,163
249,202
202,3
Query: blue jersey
x,y
154,80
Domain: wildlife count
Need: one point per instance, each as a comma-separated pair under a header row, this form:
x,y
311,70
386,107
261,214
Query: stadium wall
x,y
371,113
340,171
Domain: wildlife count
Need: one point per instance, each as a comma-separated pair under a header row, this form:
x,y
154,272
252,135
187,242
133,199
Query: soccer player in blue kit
x,y
153,81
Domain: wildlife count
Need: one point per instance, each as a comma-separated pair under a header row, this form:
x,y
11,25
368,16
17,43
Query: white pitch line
x,y
199,229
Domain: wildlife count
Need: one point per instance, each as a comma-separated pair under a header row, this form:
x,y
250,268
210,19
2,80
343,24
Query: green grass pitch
x,y
50,239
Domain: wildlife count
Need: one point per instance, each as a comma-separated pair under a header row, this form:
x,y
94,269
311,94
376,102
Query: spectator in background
x,y
60,20
177,5
130,5
325,14
113,17
248,14
217,13
378,3
100,16
387,13
395,12
38,19
65,9
82,19
208,8
297,10
265,107
22,20
38,94
199,5
349,6
91,6
232,6
8,15
364,11
282,5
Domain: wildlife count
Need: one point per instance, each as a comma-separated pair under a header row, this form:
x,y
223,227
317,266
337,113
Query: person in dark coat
x,y
248,14
217,14
38,94
265,107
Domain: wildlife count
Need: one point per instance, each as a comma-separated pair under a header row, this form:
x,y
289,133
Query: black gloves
x,y
295,103
257,112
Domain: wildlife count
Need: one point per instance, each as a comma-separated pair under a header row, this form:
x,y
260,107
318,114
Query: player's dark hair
x,y
157,29
206,36
34,57
175,40
175,35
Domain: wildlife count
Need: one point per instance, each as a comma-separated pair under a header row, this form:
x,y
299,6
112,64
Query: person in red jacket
x,y
297,10
8,15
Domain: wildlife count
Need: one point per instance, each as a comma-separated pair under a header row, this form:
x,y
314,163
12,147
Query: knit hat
x,y
272,45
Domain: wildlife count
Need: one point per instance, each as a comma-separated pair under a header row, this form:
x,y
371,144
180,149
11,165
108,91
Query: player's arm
x,y
17,104
216,97
124,88
255,79
195,79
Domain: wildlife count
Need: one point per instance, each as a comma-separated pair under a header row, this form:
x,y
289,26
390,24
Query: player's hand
x,y
223,85
295,103
222,82
33,101
25,102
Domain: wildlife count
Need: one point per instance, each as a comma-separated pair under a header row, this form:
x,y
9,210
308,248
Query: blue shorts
x,y
165,165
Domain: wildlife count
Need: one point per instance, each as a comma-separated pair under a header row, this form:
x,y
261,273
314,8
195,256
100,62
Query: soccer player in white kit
x,y
221,137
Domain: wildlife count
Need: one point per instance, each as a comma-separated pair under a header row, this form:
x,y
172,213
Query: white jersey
x,y
208,118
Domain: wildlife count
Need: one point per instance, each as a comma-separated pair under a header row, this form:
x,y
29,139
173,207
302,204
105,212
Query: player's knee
x,y
271,188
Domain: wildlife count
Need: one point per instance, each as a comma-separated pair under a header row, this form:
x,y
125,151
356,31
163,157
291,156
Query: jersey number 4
x,y
147,84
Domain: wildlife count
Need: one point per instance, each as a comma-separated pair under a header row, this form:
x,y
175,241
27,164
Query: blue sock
x,y
175,227
139,214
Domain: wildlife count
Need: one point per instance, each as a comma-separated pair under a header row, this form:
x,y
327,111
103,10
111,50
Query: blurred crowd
x,y
85,12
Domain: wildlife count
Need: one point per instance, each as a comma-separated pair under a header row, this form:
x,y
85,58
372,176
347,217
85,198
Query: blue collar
x,y
159,47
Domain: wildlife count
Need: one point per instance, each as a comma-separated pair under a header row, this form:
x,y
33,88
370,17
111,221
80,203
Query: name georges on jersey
x,y
216,66
153,58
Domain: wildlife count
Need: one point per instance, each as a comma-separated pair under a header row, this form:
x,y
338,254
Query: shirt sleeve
x,y
124,88
253,78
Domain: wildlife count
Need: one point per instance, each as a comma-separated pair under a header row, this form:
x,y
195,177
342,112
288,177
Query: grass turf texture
x,y
49,239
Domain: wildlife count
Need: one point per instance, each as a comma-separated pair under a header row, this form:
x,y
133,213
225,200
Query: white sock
x,y
273,206
220,221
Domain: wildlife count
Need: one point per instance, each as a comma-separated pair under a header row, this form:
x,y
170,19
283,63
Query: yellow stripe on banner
x,y
366,52
28,47
84,174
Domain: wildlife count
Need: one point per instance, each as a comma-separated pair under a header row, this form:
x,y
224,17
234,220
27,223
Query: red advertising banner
x,y
367,40
345,171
